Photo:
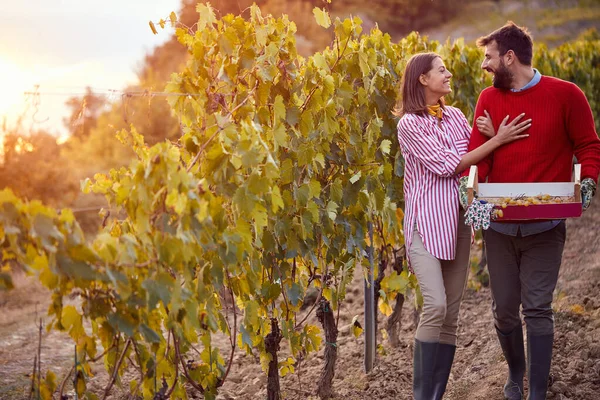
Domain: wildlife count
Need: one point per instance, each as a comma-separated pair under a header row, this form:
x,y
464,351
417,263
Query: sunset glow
x,y
13,83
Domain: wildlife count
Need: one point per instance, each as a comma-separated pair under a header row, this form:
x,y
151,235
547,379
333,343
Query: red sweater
x,y
562,126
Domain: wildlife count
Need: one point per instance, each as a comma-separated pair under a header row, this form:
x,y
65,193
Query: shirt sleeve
x,y
582,132
430,151
477,139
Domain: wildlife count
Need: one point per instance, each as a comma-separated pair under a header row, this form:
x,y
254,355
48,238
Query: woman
x,y
433,139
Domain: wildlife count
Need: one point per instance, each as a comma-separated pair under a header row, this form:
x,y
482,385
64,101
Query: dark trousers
x,y
524,271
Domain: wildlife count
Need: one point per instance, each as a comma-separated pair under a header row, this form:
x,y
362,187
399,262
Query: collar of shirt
x,y
537,77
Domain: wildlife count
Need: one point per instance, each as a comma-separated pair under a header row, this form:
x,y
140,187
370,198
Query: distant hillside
x,y
550,21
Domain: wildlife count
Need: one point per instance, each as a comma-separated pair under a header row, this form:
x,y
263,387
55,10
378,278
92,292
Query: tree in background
x,y
84,113
34,170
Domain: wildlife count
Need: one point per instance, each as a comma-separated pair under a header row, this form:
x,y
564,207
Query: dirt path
x,y
478,372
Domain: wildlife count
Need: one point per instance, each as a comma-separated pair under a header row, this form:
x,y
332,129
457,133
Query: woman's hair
x,y
412,92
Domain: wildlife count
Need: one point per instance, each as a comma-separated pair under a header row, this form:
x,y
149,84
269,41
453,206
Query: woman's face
x,y
437,80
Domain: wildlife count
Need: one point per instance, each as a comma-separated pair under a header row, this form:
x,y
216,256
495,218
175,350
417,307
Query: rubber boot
x,y
443,365
423,367
539,358
514,353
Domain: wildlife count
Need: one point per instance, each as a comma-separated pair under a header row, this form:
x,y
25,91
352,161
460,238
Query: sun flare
x,y
13,82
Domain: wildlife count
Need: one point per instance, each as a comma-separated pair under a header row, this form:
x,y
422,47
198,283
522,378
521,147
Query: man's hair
x,y
511,37
412,92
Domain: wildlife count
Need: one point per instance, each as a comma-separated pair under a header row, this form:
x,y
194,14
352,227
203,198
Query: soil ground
x,y
478,373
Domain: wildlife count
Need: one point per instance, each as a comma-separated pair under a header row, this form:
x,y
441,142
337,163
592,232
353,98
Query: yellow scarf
x,y
435,110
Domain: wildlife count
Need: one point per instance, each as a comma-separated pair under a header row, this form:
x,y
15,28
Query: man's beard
x,y
503,78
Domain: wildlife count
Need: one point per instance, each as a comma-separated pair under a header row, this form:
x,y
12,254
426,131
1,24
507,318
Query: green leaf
x,y
395,282
44,227
356,177
251,314
332,210
276,200
336,191
75,268
295,294
302,195
149,335
322,17
278,109
315,188
6,282
158,289
280,135
385,146
122,323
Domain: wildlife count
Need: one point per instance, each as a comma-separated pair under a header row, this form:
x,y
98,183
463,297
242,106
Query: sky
x,y
65,45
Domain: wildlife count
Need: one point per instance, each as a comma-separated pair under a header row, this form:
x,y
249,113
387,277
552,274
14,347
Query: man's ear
x,y
423,79
510,57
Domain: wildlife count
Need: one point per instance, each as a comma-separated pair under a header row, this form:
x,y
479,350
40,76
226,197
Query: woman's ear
x,y
423,79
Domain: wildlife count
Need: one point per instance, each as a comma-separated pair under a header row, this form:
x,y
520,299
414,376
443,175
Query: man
x,y
524,259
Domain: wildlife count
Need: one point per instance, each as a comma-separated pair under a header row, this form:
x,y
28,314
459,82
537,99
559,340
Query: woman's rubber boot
x,y
424,359
539,357
514,352
443,365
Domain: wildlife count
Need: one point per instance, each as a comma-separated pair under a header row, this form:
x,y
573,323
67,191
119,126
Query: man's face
x,y
493,63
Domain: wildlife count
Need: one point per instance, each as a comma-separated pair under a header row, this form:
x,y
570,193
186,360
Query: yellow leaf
x,y
67,216
322,17
177,200
207,16
385,308
153,28
265,359
40,262
357,328
72,321
278,109
276,200
80,385
87,369
399,215
7,196
173,18
577,309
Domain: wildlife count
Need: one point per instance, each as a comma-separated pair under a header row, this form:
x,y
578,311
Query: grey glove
x,y
463,195
588,189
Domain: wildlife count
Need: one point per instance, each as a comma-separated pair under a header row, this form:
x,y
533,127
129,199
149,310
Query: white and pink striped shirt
x,y
431,155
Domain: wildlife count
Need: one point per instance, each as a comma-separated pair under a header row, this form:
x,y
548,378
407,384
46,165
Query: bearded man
x,y
524,258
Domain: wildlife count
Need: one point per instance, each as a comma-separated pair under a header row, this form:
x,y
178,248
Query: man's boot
x,y
514,352
423,366
443,365
539,357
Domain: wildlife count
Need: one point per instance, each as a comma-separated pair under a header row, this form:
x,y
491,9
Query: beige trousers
x,y
442,284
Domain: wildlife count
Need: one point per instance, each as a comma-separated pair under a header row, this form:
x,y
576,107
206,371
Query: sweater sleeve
x,y
582,132
477,139
431,152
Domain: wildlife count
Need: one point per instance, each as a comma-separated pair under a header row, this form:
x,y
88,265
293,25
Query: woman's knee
x,y
435,311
